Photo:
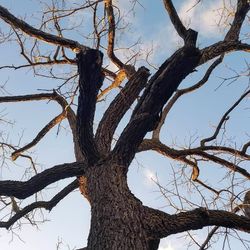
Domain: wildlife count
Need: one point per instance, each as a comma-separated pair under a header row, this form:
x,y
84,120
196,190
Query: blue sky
x,y
193,115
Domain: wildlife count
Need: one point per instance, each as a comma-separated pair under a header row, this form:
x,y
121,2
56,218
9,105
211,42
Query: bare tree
x,y
119,220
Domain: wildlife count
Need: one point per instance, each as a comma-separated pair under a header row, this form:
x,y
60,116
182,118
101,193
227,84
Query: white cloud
x,y
209,18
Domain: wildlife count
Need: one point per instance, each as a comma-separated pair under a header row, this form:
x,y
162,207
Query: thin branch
x,y
67,112
40,135
109,73
111,34
24,189
24,98
116,83
223,119
39,34
48,205
32,64
209,236
180,155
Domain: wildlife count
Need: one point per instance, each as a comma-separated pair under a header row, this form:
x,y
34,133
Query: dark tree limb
x,y
24,189
223,119
179,93
39,34
90,81
48,205
243,6
189,36
231,41
67,112
161,225
146,114
118,107
176,21
221,48
245,147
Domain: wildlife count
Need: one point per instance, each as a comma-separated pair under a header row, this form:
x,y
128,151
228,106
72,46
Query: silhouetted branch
x,y
24,189
221,48
161,225
24,98
48,205
180,28
209,236
39,34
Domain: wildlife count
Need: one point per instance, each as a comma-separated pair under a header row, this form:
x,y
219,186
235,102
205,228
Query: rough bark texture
x,y
117,215
118,219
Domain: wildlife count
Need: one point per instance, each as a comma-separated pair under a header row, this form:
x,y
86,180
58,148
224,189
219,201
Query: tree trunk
x,y
116,214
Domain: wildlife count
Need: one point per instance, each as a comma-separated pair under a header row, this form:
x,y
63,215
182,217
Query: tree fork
x,y
117,216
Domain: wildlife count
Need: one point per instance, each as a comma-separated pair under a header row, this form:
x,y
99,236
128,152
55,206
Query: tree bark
x,y
116,214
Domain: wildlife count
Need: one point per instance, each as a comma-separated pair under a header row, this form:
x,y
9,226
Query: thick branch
x,y
180,28
39,34
90,81
48,205
146,114
179,93
118,107
223,119
189,36
161,225
221,48
243,6
231,41
24,189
